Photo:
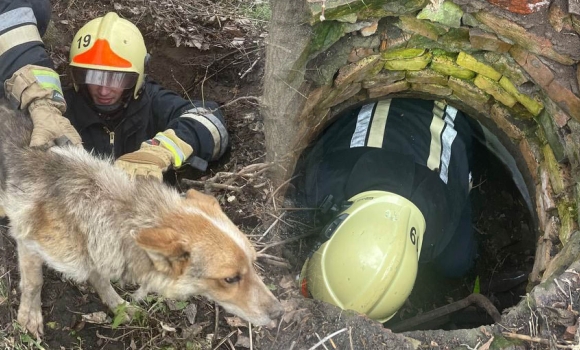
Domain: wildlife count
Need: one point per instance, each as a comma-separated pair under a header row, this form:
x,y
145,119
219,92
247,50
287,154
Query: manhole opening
x,y
505,232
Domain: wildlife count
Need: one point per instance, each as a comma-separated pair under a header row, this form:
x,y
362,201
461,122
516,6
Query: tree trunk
x,y
287,42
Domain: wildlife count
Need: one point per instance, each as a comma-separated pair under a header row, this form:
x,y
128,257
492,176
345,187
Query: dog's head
x,y
202,252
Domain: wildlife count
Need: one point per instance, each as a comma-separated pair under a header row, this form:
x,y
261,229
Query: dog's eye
x,y
232,280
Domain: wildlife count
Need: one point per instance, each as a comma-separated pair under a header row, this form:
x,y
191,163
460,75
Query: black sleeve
x,y
199,123
18,17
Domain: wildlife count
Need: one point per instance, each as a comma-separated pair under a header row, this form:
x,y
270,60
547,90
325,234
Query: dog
x,y
85,218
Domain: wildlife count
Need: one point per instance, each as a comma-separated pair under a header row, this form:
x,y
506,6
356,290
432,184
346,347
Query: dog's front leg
x,y
108,294
29,311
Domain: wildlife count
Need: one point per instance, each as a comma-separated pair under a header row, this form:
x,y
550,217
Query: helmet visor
x,y
111,79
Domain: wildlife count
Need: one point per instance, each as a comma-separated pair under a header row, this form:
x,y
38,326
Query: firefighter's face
x,y
103,95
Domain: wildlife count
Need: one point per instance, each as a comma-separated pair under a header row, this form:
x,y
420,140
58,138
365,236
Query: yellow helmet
x,y
109,51
370,261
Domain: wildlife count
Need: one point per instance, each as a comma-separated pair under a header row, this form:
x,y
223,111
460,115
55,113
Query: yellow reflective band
x,y
434,160
18,36
48,79
168,143
377,130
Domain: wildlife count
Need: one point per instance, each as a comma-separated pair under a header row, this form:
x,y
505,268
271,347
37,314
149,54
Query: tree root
x,y
477,299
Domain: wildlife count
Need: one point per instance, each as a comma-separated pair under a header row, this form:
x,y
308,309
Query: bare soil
x,y
216,68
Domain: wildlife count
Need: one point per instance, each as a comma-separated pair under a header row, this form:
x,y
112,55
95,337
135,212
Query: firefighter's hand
x,y
155,156
36,89
49,125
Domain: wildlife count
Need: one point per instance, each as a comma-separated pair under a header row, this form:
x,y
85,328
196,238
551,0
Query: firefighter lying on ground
x,y
113,107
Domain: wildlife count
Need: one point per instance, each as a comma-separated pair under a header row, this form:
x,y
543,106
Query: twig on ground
x,y
217,321
271,226
298,209
533,339
317,336
224,339
327,338
150,342
213,185
250,333
350,338
250,69
242,98
270,245
273,195
271,257
276,263
279,218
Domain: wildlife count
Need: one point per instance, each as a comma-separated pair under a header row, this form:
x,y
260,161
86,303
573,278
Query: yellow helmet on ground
x,y
109,51
370,261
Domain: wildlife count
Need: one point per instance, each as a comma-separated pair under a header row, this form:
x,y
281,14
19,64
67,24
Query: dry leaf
x,y
98,317
242,341
236,322
486,345
167,328
288,281
190,312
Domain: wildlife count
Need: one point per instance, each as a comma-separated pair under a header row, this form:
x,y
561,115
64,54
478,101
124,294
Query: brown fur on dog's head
x,y
203,252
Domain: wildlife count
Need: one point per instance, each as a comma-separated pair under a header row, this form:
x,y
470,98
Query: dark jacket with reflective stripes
x,y
155,110
414,148
15,14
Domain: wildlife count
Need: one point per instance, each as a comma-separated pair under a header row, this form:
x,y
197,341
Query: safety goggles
x,y
111,79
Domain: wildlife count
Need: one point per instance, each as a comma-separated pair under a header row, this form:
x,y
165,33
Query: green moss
x,y
324,35
445,64
456,40
447,13
467,61
416,63
500,342
403,53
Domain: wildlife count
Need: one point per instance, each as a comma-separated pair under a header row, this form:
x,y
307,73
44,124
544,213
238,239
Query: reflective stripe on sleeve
x,y
48,79
18,36
377,131
362,125
16,17
215,127
168,143
436,128
447,139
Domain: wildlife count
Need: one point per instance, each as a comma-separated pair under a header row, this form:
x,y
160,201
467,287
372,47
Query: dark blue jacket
x,y
418,149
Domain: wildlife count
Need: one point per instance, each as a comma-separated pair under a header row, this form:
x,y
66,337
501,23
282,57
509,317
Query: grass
x,y
258,12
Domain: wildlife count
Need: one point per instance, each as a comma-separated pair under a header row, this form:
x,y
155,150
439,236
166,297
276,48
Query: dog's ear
x,y
165,247
201,197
